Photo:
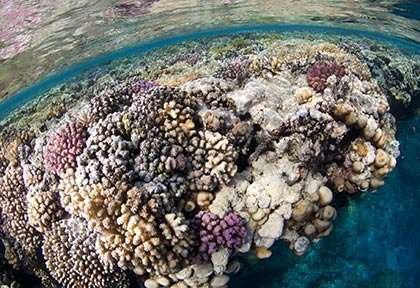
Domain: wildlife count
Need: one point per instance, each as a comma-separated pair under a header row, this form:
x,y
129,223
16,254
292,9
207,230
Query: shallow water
x,y
49,35
375,241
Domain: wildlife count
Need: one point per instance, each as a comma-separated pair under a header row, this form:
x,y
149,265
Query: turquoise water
x,y
375,242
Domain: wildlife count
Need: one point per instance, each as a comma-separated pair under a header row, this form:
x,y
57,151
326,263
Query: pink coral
x,y
215,232
319,72
140,86
64,146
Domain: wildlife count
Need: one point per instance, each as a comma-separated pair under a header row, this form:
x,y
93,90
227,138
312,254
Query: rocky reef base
x,y
163,170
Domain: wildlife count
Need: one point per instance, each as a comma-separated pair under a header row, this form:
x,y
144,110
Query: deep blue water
x,y
376,240
375,243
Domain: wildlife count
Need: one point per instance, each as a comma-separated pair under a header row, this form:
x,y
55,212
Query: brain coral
x,y
64,146
319,72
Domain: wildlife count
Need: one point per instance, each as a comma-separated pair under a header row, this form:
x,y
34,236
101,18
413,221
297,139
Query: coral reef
x,y
169,184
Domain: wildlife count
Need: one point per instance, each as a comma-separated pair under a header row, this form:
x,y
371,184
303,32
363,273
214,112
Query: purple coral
x,y
142,86
237,70
64,146
137,89
319,72
215,232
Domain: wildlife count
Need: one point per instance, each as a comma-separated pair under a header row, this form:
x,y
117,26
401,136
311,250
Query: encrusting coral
x,y
172,183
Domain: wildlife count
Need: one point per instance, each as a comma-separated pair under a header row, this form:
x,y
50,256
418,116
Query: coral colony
x,y
166,182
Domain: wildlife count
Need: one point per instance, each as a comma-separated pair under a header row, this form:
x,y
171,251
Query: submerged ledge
x,y
27,94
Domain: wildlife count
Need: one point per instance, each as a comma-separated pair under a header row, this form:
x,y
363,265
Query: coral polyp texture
x,y
64,146
214,232
163,175
320,71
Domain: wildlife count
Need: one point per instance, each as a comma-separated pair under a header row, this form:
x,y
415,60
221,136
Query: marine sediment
x,y
167,172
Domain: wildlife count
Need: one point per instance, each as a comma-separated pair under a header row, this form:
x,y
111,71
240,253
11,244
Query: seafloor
x,y
180,166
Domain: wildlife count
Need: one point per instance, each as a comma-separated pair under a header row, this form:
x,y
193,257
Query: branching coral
x,y
133,229
64,146
116,98
236,70
213,160
319,72
216,232
13,210
69,251
43,210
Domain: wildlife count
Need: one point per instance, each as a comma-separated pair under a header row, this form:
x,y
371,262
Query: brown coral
x,y
13,210
69,251
43,210
213,160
